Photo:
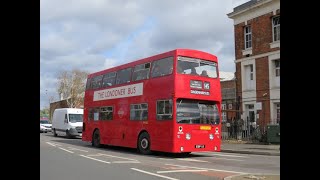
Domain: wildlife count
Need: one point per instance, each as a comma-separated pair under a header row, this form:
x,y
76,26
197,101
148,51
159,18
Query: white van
x,y
67,122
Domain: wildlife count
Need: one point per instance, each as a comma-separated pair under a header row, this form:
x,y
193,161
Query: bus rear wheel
x,y
96,139
144,143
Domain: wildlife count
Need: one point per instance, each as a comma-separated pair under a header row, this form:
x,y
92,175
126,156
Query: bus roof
x,y
180,51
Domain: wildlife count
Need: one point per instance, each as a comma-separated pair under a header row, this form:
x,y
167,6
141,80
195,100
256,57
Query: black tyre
x,y
144,143
54,133
96,139
68,134
185,154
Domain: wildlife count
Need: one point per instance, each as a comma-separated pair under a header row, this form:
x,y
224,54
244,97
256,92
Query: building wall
x,y
57,105
262,91
239,83
227,84
261,28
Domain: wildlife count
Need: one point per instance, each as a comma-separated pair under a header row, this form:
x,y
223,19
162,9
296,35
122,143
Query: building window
x,y
224,114
247,37
249,76
278,113
164,109
251,72
229,106
224,117
139,111
223,106
228,93
277,67
276,28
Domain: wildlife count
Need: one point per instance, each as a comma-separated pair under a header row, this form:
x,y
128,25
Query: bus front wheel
x,y
144,143
96,139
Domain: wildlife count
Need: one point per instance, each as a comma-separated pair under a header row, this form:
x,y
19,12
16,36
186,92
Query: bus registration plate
x,y
199,146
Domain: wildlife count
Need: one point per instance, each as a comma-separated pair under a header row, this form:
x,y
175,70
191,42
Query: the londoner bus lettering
x,y
119,92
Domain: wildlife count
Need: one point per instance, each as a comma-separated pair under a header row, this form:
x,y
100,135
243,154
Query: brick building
x,y
228,90
60,104
257,51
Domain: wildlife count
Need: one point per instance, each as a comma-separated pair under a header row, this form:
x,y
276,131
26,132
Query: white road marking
x,y
65,150
51,144
118,157
229,159
71,148
125,162
183,170
165,177
228,155
94,155
189,159
94,159
208,169
166,159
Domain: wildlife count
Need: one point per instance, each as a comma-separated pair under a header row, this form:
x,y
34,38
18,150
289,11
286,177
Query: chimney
x,y
61,96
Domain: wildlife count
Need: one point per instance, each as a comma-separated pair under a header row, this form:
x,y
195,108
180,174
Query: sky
x,y
92,35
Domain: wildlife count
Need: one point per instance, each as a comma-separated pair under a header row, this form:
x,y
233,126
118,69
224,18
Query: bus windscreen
x,y
195,112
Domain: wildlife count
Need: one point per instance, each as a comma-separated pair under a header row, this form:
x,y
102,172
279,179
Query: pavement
x,y
249,148
246,148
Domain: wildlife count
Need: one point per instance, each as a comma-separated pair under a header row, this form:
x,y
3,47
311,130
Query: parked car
x,y
45,126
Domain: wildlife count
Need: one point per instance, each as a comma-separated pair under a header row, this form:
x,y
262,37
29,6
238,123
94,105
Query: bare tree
x,y
52,99
71,86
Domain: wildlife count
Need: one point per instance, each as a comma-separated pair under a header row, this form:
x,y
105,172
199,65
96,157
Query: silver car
x,y
45,126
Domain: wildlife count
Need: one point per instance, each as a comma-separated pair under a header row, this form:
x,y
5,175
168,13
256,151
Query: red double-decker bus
x,y
169,102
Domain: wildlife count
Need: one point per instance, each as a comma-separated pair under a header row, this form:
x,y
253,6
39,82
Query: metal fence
x,y
244,131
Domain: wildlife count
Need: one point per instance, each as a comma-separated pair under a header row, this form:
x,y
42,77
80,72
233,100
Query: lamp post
x,y
47,96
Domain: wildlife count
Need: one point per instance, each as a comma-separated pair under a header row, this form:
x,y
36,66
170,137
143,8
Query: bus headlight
x,y
211,136
188,136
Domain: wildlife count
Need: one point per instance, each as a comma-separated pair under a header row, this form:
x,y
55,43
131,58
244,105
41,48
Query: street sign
x,y
258,106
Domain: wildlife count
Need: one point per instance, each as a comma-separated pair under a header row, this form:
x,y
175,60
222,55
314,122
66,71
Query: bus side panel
x,y
161,131
162,136
107,129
